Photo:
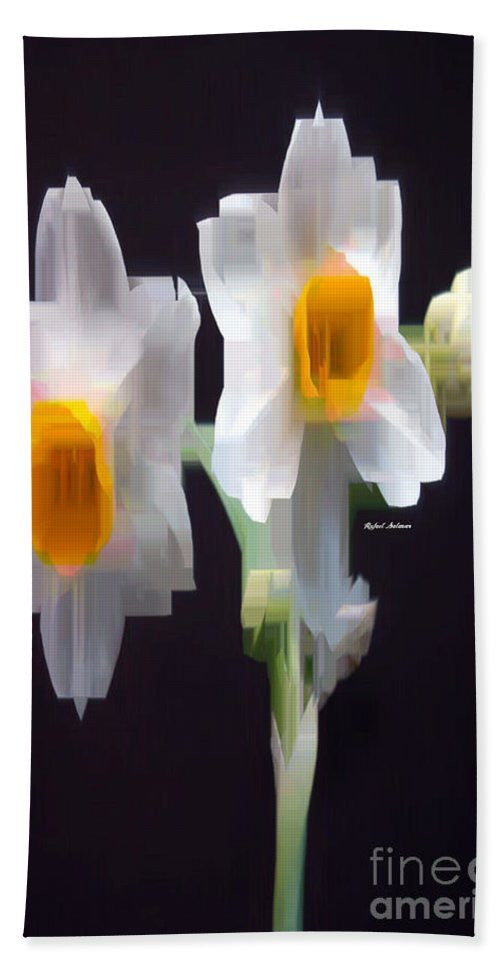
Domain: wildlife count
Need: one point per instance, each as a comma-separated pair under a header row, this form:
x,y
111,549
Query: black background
x,y
156,813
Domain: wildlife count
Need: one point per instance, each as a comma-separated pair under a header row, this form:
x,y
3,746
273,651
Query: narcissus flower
x,y
112,366
447,343
303,285
449,314
320,388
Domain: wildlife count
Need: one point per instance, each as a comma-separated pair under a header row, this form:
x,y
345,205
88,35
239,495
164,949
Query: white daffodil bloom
x,y
320,388
303,285
112,366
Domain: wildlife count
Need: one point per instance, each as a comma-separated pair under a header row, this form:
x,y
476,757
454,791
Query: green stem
x,y
291,836
293,781
295,731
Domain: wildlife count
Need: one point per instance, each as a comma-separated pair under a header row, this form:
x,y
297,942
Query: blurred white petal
x,y
449,316
404,444
462,283
320,521
78,258
334,663
328,197
162,385
82,627
163,489
315,174
257,447
231,317
447,344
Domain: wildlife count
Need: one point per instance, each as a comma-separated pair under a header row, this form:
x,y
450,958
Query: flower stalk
x,y
294,749
271,633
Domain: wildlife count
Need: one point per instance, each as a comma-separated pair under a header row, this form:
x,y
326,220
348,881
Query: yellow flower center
x,y
72,486
333,337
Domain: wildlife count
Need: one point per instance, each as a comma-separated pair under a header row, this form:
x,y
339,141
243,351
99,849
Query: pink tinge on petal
x,y
375,391
119,550
393,349
374,394
384,348
378,350
388,324
38,391
67,570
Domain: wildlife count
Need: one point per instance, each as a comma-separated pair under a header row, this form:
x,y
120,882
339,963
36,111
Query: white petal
x,y
462,319
326,197
162,488
75,361
78,260
374,246
159,536
401,492
250,248
88,337
462,283
405,444
247,274
159,288
162,386
80,705
82,627
449,315
316,167
281,528
334,664
319,117
231,318
236,255
159,567
257,447
320,509
141,600
439,317
48,248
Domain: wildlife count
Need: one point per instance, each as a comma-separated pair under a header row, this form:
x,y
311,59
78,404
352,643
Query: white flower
x,y
449,314
447,328
112,385
320,388
303,285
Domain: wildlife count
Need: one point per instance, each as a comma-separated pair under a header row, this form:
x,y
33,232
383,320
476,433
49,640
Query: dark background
x,y
156,813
